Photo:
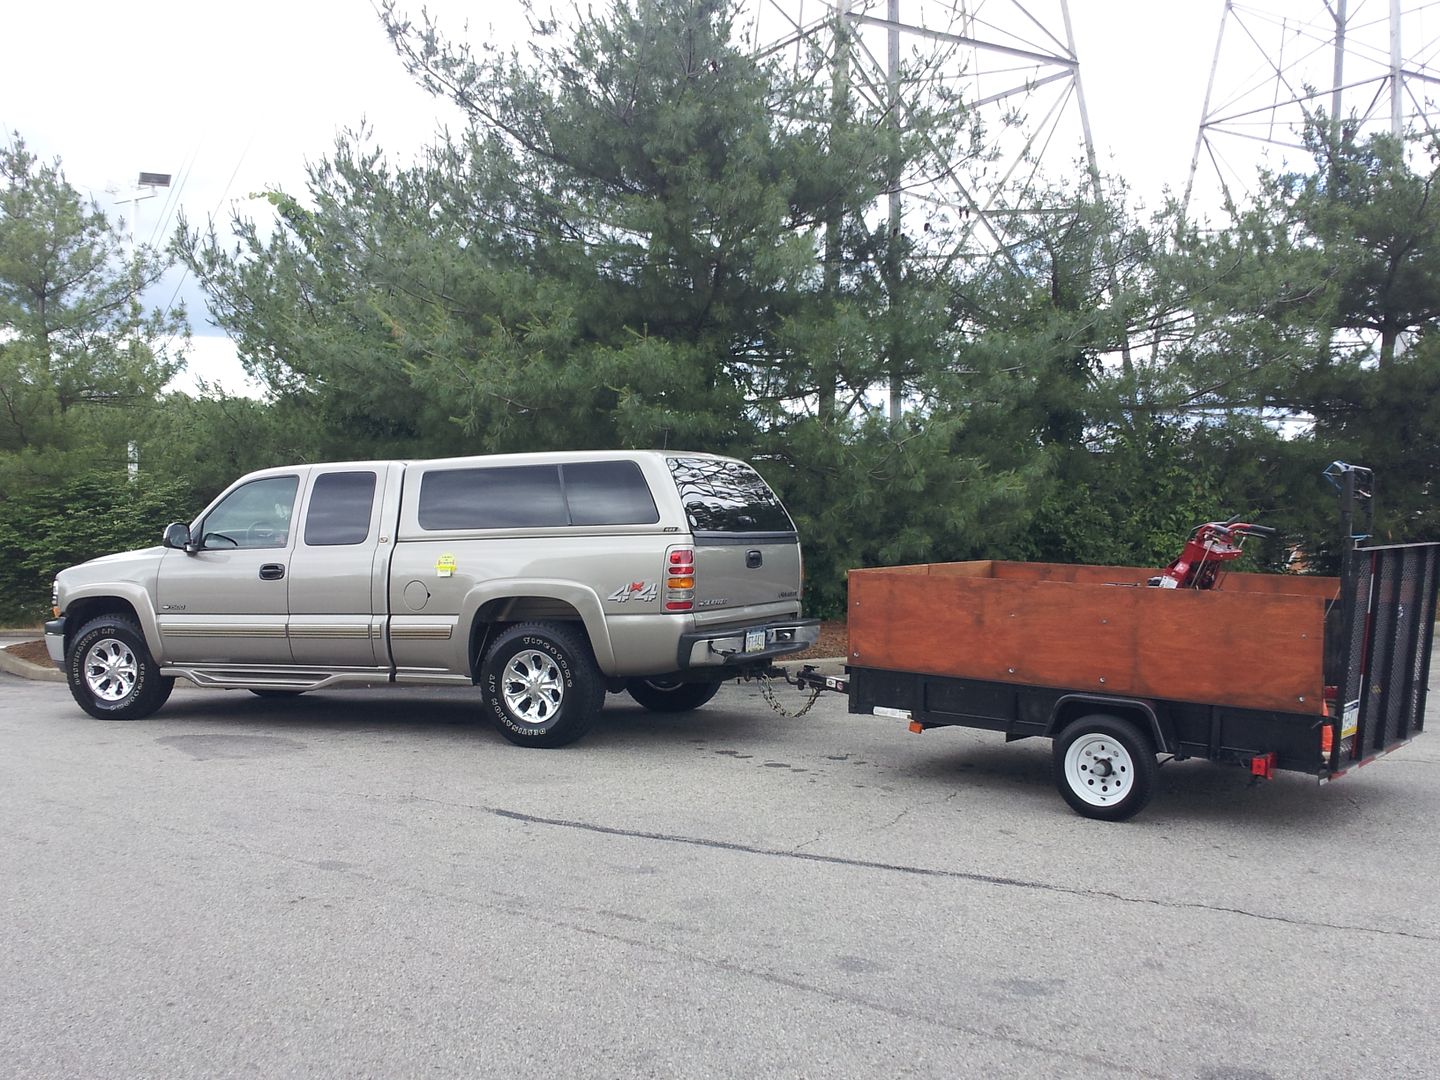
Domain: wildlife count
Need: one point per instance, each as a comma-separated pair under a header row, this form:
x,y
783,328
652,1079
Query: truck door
x,y
337,583
227,602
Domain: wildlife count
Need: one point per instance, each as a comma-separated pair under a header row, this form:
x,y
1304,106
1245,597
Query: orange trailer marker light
x,y
1263,766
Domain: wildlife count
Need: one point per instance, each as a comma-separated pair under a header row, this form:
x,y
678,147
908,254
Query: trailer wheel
x,y
1105,767
540,685
669,696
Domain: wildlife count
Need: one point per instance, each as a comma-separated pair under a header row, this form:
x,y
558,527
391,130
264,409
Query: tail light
x,y
680,579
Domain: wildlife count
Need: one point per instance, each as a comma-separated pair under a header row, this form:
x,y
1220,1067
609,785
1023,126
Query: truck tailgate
x,y
740,576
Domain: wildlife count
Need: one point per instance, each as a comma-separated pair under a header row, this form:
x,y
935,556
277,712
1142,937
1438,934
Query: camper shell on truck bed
x,y
1311,674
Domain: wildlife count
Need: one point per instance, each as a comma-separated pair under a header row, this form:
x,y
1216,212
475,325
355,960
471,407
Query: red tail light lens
x,y
680,579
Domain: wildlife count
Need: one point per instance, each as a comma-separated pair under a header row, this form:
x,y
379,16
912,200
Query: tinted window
x,y
513,497
340,505
727,496
255,515
608,493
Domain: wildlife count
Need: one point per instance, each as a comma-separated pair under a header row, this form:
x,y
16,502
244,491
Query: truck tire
x,y
669,696
540,685
111,673
1105,767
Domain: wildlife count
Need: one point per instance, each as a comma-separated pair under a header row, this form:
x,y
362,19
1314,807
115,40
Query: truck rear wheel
x,y
540,685
669,695
1105,767
111,673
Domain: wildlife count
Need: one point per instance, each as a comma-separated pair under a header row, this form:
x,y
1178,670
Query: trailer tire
x,y
1105,767
667,696
540,685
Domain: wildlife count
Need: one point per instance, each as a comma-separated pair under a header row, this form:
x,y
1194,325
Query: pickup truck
x,y
544,579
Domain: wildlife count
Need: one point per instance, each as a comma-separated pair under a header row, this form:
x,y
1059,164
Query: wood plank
x,y
978,568
1288,584
1246,649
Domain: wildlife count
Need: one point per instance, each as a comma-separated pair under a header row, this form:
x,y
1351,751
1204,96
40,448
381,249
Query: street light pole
x,y
146,187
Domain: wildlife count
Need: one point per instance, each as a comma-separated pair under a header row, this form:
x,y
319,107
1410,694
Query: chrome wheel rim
x,y
533,687
1099,769
110,669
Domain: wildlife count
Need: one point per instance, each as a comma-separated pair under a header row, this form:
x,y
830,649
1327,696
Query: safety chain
x,y
767,691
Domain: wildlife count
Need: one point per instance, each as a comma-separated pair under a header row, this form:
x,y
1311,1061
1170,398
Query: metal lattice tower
x,y
1370,65
1013,65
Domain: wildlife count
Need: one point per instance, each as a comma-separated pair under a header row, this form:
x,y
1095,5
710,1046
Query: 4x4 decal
x,y
645,591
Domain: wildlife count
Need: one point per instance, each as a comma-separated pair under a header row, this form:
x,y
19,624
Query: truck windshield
x,y
725,496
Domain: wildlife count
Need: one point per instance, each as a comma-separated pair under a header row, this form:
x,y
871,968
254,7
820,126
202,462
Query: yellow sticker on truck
x,y
445,565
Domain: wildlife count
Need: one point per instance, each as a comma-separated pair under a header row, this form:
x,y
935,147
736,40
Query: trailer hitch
x,y
807,679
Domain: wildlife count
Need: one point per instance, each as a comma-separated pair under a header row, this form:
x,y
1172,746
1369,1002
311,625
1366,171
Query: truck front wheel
x,y
1105,767
111,673
540,685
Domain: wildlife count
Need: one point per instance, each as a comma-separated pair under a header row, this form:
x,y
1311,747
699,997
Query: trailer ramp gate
x,y
1388,598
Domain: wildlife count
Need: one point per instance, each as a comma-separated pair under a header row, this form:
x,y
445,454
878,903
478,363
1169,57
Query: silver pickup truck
x,y
544,579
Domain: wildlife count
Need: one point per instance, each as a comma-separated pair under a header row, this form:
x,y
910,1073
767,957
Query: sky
x,y
234,98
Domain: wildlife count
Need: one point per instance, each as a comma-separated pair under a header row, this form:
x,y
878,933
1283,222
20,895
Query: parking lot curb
x,y
11,663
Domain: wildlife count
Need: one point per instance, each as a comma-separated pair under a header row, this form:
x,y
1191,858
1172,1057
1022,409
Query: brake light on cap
x,y
680,579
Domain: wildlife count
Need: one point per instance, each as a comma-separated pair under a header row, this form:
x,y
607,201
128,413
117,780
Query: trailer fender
x,y
1073,706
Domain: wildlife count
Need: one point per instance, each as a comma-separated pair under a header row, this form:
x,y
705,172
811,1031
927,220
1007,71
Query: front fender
x,y
137,596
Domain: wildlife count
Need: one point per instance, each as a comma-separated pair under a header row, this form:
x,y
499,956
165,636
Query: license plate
x,y
755,640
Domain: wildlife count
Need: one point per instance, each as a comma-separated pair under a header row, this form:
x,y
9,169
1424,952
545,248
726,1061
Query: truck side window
x,y
608,493
340,506
255,515
513,497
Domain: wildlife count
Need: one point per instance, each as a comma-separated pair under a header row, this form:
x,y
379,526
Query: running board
x,y
249,678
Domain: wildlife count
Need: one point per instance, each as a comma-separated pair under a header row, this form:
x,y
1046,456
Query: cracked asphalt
x,y
372,883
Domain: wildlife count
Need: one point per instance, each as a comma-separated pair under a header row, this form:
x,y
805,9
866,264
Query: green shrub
x,y
96,513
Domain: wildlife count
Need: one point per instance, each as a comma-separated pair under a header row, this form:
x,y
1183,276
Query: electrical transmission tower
x,y
1367,65
1011,64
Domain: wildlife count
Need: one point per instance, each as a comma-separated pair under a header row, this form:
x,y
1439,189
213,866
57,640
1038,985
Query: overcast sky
x,y
233,98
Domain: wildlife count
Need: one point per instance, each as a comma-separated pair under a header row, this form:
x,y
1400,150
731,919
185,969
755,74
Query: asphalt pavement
x,y
372,883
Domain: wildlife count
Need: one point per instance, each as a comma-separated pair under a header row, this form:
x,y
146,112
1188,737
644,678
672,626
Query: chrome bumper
x,y
737,645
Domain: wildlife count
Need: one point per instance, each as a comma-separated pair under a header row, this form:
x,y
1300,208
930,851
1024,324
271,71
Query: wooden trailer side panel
x,y
1250,650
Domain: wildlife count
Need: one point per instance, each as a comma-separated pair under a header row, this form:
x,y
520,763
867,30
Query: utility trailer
x,y
1270,671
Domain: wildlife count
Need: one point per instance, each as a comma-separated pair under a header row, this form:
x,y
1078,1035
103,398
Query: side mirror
x,y
176,535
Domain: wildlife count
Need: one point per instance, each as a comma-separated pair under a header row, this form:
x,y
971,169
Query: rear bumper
x,y
55,641
726,646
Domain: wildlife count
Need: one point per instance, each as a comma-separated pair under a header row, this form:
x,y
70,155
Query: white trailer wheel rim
x,y
533,687
110,669
1099,769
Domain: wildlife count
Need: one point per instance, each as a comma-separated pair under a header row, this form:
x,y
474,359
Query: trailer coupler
x,y
809,679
